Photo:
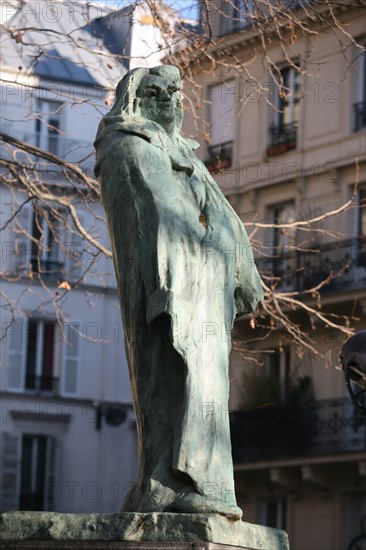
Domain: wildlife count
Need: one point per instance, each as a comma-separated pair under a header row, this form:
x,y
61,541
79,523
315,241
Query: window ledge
x,y
31,416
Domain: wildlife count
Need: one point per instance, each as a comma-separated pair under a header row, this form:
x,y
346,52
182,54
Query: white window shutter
x,y
16,341
20,249
10,471
76,252
71,352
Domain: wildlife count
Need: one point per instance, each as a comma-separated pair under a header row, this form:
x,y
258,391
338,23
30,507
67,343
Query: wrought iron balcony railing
x,y
360,115
69,149
283,431
41,383
49,269
219,156
283,137
343,262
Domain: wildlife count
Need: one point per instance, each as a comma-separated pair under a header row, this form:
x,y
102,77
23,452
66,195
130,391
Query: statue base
x,y
135,531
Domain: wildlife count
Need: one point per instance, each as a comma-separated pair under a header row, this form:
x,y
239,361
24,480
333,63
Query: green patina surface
x,y
153,527
184,270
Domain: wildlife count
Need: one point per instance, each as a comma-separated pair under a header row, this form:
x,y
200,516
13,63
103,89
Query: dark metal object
x,y
359,542
304,269
283,137
360,115
49,268
353,360
114,416
285,431
219,156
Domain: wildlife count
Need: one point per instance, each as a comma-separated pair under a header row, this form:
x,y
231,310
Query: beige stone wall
x,y
317,177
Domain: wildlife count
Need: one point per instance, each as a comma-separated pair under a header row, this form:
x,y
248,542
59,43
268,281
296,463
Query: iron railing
x,y
282,138
219,156
49,269
69,149
283,431
343,263
359,115
41,383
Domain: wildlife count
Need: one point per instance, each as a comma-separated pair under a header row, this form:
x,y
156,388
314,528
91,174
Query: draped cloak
x,y
184,270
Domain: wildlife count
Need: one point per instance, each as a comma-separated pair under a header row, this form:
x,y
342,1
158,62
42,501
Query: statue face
x,y
159,101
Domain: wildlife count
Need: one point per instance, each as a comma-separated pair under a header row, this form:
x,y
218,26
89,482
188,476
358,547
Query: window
x,y
45,244
27,471
33,348
285,98
48,126
37,463
283,239
361,227
275,513
240,14
39,374
278,370
360,104
33,472
362,213
46,250
221,98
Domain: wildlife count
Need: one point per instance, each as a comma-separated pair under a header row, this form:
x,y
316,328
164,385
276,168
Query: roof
x,y
57,41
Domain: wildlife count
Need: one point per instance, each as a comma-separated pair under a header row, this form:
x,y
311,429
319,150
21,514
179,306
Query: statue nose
x,y
165,96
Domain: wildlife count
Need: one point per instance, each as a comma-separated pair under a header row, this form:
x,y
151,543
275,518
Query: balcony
x,y
69,149
301,270
220,157
49,269
41,383
283,138
283,431
359,115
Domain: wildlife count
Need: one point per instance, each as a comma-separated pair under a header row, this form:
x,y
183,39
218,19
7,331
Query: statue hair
x,y
127,103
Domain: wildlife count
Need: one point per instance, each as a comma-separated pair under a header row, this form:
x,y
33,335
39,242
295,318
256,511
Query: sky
x,y
187,8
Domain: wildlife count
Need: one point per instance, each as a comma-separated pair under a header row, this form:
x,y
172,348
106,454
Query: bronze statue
x,y
184,270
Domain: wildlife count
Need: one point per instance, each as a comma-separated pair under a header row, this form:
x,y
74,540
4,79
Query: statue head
x,y
151,94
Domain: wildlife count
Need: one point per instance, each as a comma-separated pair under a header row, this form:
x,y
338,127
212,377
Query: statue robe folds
x,y
184,269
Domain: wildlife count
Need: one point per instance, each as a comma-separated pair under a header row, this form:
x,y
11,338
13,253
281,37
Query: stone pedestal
x,y
139,531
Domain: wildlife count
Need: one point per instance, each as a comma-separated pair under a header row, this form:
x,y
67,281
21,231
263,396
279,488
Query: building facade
x,y
293,151
68,431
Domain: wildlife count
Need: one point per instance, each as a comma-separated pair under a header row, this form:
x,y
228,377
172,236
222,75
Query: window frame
x,y
282,133
49,125
359,98
48,473
220,152
39,377
45,241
